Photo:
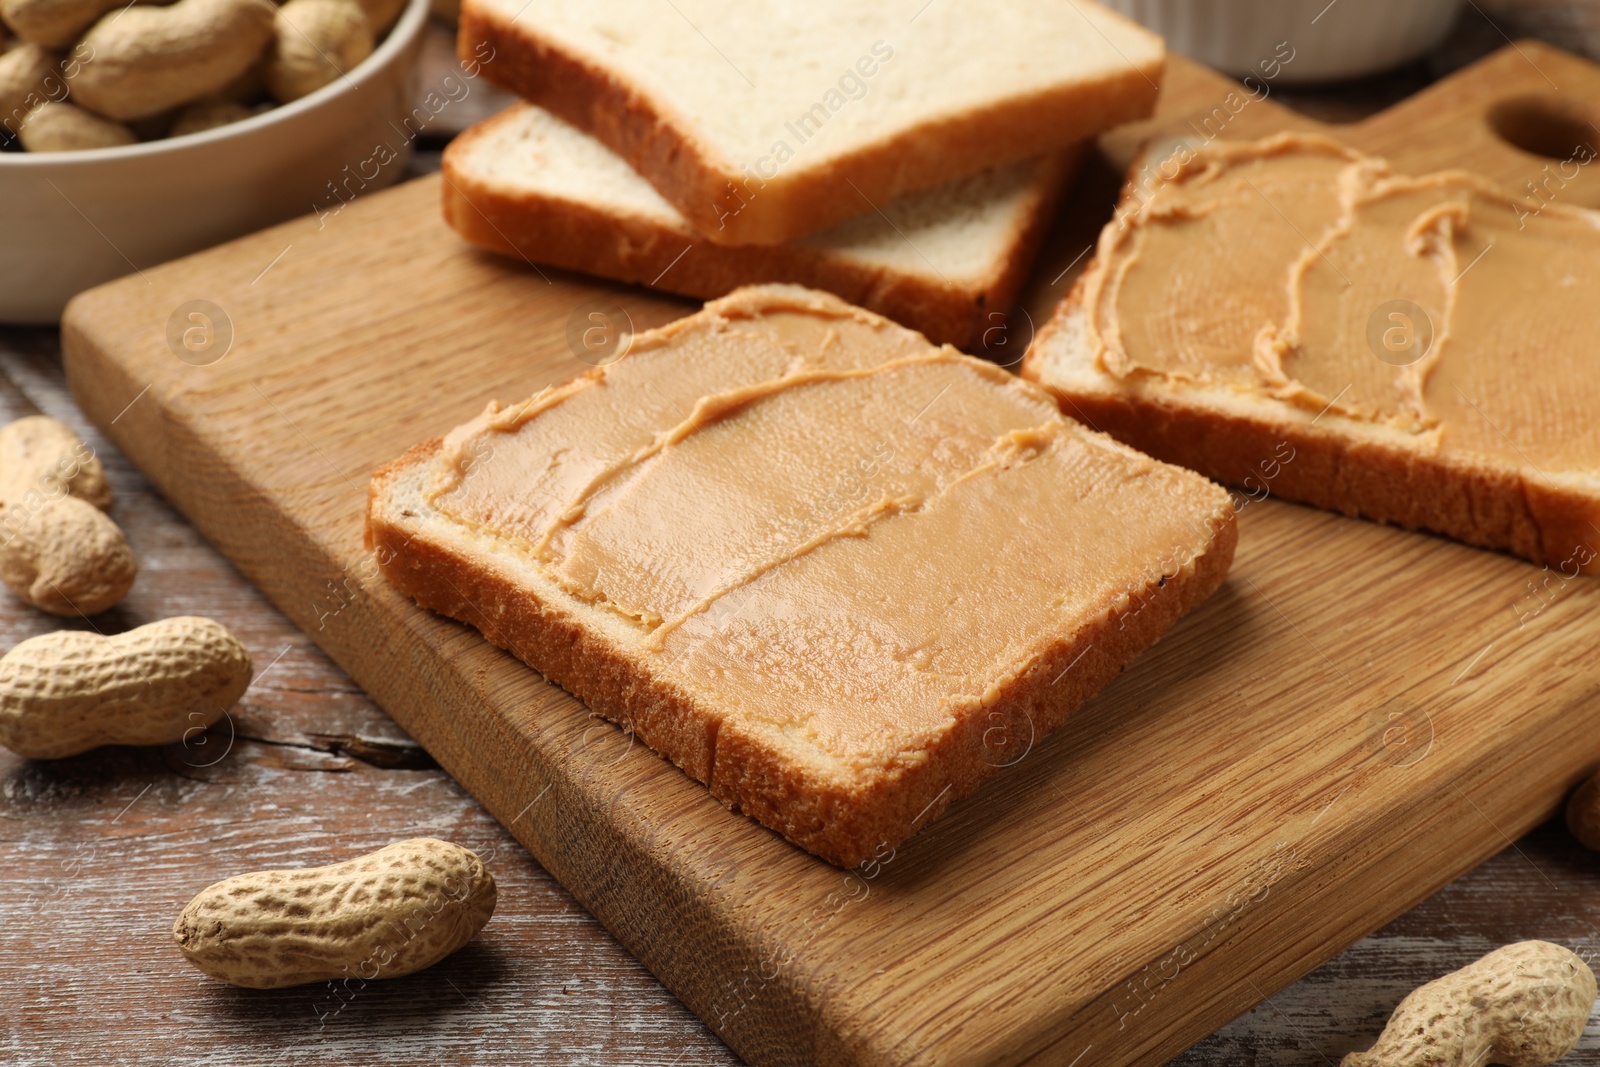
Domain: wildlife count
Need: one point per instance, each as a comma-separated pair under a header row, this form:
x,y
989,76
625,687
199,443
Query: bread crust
x,y
632,248
846,822
730,208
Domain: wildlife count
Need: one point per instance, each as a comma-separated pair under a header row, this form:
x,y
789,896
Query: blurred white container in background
x,y
1329,41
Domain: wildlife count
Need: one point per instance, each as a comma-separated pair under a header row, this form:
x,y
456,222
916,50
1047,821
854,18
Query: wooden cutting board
x,y
1358,715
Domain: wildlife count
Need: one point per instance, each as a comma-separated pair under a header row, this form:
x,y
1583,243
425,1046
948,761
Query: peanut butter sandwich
x,y
1294,317
834,572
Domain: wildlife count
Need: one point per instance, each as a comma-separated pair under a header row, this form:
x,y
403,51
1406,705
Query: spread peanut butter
x,y
841,532
1436,308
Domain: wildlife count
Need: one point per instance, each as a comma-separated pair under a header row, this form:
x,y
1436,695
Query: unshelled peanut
x,y
59,127
45,454
1583,813
58,550
67,692
149,59
1525,1004
384,915
25,74
65,557
317,41
54,23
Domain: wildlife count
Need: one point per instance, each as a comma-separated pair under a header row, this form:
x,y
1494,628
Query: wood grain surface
x,y
76,845
1231,813
93,882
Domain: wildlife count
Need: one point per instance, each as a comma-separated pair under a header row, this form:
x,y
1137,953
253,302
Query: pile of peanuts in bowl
x,y
85,74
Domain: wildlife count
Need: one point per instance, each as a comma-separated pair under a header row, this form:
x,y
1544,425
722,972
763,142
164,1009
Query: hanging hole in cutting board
x,y
1546,125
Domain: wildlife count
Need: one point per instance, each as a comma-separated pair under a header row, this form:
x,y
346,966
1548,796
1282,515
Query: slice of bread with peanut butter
x,y
1294,317
834,572
762,121
946,262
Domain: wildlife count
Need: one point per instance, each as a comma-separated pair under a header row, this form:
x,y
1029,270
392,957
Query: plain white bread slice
x,y
761,121
947,261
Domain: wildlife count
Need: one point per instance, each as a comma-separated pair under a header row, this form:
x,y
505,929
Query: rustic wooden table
x,y
102,850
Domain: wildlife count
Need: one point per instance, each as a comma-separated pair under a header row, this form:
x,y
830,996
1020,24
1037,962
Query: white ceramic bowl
x,y
71,220
1328,40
